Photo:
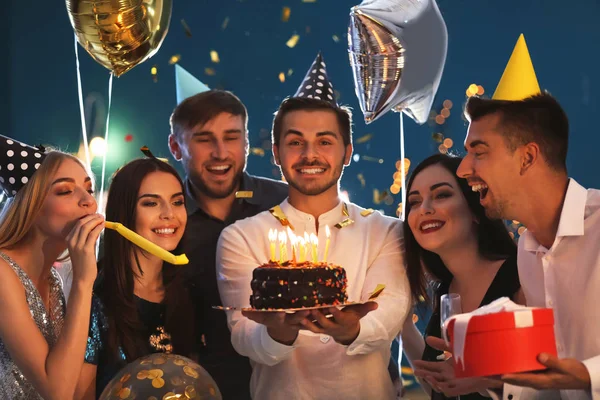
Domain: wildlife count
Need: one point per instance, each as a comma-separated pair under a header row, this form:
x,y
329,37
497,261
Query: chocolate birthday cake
x,y
296,285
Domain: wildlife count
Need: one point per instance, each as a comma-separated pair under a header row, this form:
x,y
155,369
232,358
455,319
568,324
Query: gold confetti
x,y
516,222
174,59
212,391
142,374
190,392
472,90
209,71
335,38
438,137
512,235
447,104
290,72
170,396
376,196
448,142
285,14
440,119
291,43
480,90
186,28
361,178
155,373
521,230
445,113
124,393
395,189
415,318
421,298
179,362
364,139
373,159
281,77
367,212
158,383
244,194
225,23
154,73
214,56
378,289
190,372
146,362
125,377
257,151
442,149
406,165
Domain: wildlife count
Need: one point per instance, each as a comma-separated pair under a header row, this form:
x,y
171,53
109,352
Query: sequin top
x,y
13,385
152,316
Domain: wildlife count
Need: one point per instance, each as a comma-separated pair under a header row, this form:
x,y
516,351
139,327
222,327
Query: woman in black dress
x,y
140,304
452,247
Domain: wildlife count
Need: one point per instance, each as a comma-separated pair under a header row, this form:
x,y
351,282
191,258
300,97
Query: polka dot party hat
x,y
18,162
316,83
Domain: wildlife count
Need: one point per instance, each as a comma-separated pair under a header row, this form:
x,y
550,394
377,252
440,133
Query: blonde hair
x,y
20,213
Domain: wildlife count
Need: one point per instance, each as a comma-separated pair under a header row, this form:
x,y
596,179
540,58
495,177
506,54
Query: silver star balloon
x,y
397,51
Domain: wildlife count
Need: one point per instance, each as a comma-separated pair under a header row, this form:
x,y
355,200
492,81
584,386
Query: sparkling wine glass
x,y
450,304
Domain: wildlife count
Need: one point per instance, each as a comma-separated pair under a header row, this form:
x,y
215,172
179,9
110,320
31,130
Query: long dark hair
x,y
494,242
117,274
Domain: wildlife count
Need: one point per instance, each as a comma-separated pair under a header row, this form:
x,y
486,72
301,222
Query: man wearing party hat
x,y
516,158
305,355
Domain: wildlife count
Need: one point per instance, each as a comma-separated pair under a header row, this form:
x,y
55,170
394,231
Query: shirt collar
x,y
572,216
333,215
248,183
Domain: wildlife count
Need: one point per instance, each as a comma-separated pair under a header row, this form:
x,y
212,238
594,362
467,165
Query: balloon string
x,y
402,167
101,198
81,110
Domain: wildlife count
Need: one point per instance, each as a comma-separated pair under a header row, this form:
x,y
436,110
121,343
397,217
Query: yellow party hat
x,y
518,80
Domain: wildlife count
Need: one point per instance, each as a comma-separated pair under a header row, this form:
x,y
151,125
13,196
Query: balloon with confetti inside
x,y
397,51
162,376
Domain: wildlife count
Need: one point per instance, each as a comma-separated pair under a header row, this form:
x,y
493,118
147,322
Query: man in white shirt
x,y
516,158
306,355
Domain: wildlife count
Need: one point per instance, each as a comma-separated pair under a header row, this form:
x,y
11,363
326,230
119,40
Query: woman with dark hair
x,y
140,304
452,244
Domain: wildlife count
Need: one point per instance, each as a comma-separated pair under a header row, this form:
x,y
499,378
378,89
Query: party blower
x,y
146,244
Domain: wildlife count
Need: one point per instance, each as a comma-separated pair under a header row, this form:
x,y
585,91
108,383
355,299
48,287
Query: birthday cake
x,y
297,284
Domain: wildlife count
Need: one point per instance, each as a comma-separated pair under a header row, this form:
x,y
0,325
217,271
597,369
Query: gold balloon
x,y
120,34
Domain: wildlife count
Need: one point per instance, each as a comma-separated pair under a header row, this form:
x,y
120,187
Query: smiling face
x,y
160,210
69,199
491,168
213,154
311,151
439,215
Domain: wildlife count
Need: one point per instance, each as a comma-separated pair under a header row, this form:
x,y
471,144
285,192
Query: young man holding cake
x,y
516,158
349,251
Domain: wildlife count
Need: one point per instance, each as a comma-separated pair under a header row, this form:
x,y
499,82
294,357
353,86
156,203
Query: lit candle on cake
x,y
292,243
282,247
328,234
301,248
272,239
314,240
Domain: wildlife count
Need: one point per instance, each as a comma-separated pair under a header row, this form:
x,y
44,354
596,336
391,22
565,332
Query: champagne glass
x,y
450,304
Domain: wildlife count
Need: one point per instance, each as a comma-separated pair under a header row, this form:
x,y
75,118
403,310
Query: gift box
x,y
501,342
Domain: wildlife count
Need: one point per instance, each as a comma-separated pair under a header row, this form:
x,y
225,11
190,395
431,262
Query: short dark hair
x,y
343,114
493,239
202,107
539,119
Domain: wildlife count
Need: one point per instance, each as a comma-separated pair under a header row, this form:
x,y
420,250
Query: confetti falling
x,y
209,71
472,90
154,73
336,38
448,142
257,151
364,139
438,137
290,72
285,14
362,180
395,189
128,137
447,104
174,59
186,28
480,90
281,77
214,56
291,43
373,159
443,149
225,23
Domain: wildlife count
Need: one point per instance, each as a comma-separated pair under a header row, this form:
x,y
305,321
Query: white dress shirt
x,y
315,366
566,278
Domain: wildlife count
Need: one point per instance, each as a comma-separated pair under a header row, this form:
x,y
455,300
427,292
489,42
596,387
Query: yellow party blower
x,y
146,244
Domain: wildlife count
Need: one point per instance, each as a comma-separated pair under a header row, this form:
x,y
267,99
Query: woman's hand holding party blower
x,y
147,245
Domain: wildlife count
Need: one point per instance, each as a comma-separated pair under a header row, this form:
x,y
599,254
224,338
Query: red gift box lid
x,y
506,320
